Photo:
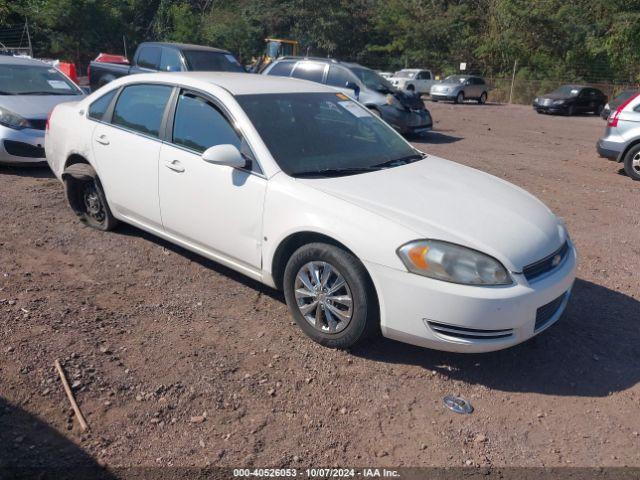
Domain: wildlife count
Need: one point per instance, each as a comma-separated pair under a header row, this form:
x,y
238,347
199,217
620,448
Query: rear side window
x,y
338,77
282,69
198,125
424,76
309,71
170,60
141,107
149,57
98,108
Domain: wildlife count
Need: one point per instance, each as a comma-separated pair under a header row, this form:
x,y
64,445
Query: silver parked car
x,y
404,111
29,90
458,88
621,140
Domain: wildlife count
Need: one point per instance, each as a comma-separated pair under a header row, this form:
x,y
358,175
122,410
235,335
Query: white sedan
x,y
302,188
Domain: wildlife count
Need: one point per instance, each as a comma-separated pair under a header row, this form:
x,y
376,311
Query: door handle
x,y
174,165
103,140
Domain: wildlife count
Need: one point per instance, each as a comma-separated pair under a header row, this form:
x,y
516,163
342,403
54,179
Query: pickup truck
x,y
165,57
413,79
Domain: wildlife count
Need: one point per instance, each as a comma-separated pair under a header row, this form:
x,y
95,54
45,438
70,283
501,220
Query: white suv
x,y
413,79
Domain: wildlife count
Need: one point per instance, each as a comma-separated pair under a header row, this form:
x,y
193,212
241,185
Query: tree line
x,y
589,40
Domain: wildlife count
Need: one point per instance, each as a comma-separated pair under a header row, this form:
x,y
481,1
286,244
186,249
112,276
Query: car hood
x,y
35,106
443,200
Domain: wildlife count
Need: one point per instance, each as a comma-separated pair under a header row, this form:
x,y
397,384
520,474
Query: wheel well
x,y
626,150
290,245
75,158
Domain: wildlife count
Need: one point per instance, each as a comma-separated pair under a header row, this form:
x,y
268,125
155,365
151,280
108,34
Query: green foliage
x,y
589,40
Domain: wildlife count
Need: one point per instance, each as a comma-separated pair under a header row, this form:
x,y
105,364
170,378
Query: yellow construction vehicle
x,y
275,48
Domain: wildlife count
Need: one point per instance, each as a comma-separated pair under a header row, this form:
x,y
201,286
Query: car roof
x,y
11,60
234,83
319,60
185,46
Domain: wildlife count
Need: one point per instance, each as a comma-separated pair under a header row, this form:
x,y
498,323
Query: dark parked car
x,y
165,57
404,111
571,99
617,101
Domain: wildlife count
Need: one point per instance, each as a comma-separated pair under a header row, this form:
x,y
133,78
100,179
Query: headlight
x,y
12,120
394,102
558,102
452,263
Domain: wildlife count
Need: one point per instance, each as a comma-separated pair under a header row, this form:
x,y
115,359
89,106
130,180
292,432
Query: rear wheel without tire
x,y
632,163
86,197
330,295
460,98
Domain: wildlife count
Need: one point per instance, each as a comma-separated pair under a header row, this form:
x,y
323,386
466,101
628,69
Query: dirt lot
x,y
178,361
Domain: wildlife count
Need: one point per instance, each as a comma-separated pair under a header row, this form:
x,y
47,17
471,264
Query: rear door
x,y
126,148
215,208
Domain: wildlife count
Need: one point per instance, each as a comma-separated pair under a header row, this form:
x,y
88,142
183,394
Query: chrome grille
x,y
547,264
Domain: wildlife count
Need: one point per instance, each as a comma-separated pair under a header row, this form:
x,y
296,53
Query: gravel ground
x,y
178,361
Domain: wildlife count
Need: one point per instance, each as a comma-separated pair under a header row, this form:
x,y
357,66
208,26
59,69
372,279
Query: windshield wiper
x,y
328,172
396,162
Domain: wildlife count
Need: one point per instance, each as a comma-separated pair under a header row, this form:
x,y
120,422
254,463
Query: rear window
x,y
282,69
149,57
309,71
207,61
141,107
98,108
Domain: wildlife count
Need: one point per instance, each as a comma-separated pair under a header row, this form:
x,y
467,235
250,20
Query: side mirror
x,y
226,154
354,86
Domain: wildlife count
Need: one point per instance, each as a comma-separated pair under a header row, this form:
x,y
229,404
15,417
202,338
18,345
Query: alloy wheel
x,y
323,297
635,163
93,204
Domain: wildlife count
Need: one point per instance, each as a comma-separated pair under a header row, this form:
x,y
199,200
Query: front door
x,y
214,208
127,151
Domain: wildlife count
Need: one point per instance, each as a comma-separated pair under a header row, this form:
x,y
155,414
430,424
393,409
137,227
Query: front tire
x,y
330,295
632,163
459,98
483,98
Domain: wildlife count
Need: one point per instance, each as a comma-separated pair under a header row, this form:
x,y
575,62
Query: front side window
x,y
170,60
372,80
149,57
324,134
198,125
34,80
338,77
141,107
309,71
98,108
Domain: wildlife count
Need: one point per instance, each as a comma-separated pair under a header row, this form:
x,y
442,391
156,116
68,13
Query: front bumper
x,y
551,108
407,121
443,97
21,147
460,318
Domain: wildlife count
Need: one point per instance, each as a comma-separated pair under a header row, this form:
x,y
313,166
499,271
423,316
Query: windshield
x,y
567,91
34,80
405,74
324,134
207,61
454,79
372,80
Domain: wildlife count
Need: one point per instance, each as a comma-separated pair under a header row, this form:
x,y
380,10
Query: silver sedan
x,y
29,90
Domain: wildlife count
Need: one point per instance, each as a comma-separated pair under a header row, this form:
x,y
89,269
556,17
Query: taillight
x,y
613,119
